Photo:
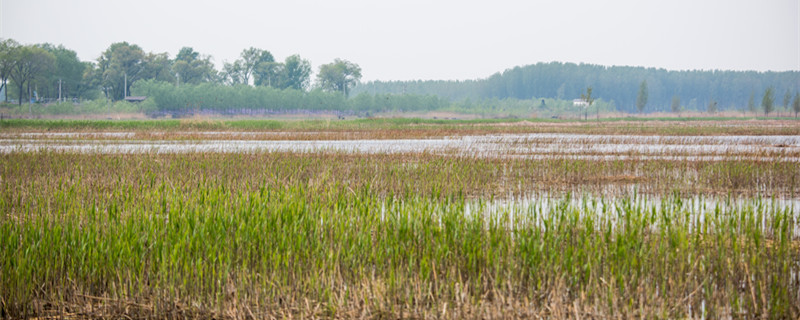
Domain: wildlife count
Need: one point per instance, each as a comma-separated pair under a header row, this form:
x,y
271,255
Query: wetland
x,y
385,220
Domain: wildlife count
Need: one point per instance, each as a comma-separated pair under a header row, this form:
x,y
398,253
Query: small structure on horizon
x,y
579,103
135,99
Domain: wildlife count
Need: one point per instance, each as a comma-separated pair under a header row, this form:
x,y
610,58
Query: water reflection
x,y
533,146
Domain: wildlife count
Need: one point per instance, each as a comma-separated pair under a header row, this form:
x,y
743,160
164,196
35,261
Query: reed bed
x,y
405,174
399,128
418,235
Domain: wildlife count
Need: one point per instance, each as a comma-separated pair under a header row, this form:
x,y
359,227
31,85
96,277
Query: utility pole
x,y
59,90
125,89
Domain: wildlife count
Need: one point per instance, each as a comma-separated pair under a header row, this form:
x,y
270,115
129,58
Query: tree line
x,y
48,72
255,83
726,90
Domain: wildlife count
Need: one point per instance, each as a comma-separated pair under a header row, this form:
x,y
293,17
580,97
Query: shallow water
x,y
533,146
696,208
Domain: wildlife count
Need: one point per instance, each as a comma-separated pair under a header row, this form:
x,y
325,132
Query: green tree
x,y
796,104
269,73
89,87
232,73
768,100
120,66
296,73
254,64
641,98
68,72
8,49
676,105
30,64
93,80
340,76
192,68
157,66
751,104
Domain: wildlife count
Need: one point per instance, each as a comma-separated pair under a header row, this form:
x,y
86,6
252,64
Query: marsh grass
x,y
416,128
340,235
405,174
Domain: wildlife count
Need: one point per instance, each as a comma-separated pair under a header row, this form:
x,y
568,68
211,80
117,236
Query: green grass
x,y
421,127
345,235
710,118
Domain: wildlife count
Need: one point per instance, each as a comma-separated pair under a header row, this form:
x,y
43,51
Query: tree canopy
x,y
120,66
296,73
768,100
192,68
31,65
7,61
641,97
67,73
341,75
123,64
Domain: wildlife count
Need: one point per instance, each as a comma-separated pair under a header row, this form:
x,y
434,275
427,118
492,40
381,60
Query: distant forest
x,y
731,90
50,79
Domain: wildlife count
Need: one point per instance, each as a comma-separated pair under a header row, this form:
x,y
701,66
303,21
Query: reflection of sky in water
x,y
601,147
693,209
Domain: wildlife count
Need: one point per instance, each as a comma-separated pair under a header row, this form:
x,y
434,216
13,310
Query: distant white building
x,y
579,103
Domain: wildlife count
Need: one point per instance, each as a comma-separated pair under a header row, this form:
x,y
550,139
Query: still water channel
x,y
602,147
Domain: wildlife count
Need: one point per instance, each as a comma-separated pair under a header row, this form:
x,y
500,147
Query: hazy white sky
x,y
424,39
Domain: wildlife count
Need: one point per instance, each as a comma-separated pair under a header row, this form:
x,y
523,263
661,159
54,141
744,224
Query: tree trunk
x,y
21,93
30,108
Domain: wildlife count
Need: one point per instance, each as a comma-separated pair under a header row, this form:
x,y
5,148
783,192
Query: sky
x,y
430,40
